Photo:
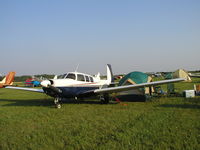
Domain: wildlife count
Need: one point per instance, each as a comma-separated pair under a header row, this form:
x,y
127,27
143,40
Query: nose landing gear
x,y
57,102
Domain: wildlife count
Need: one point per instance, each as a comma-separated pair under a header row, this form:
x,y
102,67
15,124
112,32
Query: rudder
x,y
10,78
110,77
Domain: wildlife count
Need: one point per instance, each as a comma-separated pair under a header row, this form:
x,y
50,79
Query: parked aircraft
x,y
7,80
194,75
78,85
32,82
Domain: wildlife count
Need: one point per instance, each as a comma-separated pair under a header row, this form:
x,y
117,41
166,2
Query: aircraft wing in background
x,y
194,76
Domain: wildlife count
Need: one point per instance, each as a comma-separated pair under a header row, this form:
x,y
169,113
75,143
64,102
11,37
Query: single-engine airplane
x,y
79,85
7,80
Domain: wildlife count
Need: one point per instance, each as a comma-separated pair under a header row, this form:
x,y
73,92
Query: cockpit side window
x,y
80,77
87,79
91,79
71,76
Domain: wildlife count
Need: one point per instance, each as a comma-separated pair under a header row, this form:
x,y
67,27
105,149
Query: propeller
x,y
48,84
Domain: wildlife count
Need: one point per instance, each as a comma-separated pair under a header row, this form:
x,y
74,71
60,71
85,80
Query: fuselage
x,y
73,84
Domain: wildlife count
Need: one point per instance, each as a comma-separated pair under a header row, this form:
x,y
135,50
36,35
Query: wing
x,y
135,86
195,76
26,89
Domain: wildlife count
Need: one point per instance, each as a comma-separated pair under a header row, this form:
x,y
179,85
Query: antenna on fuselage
x,y
77,68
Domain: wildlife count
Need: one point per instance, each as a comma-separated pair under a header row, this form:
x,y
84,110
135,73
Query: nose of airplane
x,y
45,83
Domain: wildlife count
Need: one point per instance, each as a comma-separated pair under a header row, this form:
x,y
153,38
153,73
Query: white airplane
x,y
79,85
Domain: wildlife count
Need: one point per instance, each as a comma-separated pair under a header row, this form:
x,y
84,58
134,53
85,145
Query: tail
x,y
8,80
3,81
110,78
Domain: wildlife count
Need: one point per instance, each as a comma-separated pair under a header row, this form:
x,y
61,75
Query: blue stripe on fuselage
x,y
71,92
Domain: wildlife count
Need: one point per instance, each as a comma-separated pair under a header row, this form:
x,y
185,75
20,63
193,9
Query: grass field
x,y
29,121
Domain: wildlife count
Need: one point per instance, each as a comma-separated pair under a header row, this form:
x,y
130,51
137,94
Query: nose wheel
x,y
57,102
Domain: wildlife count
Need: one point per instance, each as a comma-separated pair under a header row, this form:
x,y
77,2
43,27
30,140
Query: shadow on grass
x,y
185,106
85,101
132,98
50,101
191,103
46,102
32,102
187,103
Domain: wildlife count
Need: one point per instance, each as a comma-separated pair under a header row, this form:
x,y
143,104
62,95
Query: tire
x,y
58,106
105,99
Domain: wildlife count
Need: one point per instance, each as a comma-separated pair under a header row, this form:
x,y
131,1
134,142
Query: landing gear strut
x,y
57,103
105,98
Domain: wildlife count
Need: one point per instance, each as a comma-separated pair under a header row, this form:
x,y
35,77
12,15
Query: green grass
x,y
29,121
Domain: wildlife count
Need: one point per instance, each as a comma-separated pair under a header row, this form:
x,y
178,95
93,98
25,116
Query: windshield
x,y
62,76
71,76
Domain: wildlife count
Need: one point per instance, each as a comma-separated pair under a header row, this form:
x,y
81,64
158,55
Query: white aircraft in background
x,y
79,85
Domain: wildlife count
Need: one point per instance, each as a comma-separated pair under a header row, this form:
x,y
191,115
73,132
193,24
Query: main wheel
x,y
105,99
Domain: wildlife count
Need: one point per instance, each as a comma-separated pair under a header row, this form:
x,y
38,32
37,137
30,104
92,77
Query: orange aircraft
x,y
8,80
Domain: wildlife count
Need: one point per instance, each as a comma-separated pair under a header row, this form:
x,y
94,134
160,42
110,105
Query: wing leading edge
x,y
26,89
195,76
135,86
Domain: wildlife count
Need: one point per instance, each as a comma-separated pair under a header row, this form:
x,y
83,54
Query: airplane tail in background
x,y
3,81
8,80
110,78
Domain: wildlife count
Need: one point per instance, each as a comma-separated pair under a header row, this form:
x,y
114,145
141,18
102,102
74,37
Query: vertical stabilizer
x,y
110,78
10,78
3,81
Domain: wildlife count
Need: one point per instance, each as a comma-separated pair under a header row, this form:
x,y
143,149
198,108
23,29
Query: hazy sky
x,y
54,36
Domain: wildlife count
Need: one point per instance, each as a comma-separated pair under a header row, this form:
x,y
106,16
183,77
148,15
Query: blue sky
x,y
49,36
